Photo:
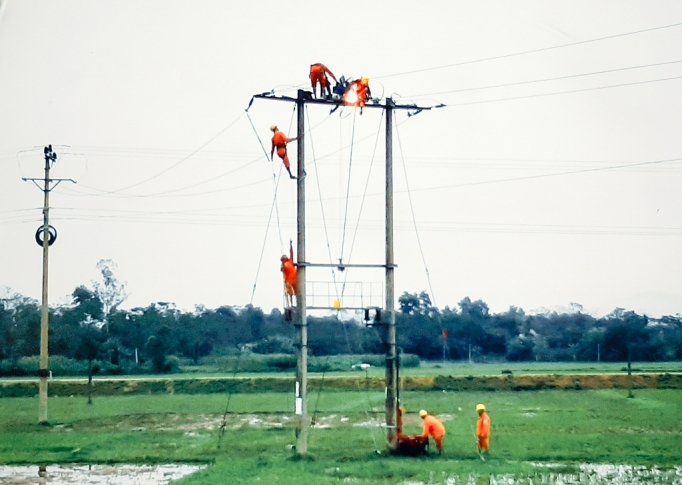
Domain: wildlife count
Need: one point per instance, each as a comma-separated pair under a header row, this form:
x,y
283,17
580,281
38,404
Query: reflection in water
x,y
586,473
95,474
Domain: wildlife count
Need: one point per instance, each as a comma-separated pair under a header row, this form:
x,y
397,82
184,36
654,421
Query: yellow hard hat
x,y
480,407
273,127
365,81
423,413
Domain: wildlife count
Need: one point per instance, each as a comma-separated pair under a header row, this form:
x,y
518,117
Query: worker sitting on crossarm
x,y
358,93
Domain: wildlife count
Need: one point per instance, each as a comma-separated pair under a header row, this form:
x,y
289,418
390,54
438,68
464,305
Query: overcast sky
x,y
551,176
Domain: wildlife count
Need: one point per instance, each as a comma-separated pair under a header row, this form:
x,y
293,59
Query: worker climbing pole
x,y
290,275
279,141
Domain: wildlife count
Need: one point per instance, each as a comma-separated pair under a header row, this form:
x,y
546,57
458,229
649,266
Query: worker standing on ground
x,y
279,141
318,73
290,274
358,93
483,429
434,427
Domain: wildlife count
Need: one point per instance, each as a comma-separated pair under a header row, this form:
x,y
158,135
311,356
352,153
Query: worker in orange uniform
x,y
399,423
290,274
483,429
358,93
318,73
279,141
434,427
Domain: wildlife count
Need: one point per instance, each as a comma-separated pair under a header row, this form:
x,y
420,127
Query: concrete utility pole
x,y
301,320
49,235
391,348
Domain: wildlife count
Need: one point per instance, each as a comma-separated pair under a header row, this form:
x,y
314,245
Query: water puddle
x,y
96,474
585,473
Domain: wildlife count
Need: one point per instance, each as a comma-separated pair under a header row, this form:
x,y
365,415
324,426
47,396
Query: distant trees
x,y
515,336
93,328
110,292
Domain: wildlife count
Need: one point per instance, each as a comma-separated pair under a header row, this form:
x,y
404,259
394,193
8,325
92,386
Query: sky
x,y
548,178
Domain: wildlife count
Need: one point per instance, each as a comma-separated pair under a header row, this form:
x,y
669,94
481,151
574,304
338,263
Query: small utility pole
x,y
49,235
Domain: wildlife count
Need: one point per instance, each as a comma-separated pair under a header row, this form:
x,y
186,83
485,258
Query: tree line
x,y
93,328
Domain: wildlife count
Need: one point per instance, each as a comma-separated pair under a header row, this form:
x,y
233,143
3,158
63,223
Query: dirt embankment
x,y
119,387
556,381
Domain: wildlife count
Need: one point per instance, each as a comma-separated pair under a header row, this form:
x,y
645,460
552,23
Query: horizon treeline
x,y
92,328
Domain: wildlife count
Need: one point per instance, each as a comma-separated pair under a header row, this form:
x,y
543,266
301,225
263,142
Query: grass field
x,y
564,427
426,369
466,369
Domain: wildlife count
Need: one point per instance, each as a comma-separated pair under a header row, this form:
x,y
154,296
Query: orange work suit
x,y
318,73
362,91
434,427
483,431
279,141
399,423
290,273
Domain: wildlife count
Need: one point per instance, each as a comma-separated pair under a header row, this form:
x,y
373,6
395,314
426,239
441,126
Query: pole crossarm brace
x,y
308,99
58,181
344,265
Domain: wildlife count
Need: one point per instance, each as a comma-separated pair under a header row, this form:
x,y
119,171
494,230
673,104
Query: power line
x,y
529,177
165,193
408,226
414,220
571,76
532,51
564,92
618,167
181,161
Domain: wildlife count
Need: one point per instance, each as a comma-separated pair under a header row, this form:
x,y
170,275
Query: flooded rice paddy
x,y
96,474
204,425
585,473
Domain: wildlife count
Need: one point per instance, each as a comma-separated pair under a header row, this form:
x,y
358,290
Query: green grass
x,y
544,426
430,369
495,369
426,369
